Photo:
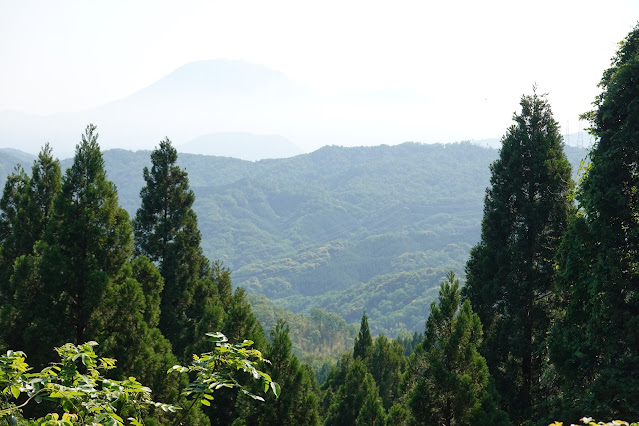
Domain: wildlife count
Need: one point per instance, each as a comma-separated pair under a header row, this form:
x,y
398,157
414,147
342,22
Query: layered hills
x,y
341,229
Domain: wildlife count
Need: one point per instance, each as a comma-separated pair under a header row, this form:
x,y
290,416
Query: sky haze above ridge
x,y
468,62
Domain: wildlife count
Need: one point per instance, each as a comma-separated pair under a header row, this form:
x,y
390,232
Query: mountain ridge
x,y
340,229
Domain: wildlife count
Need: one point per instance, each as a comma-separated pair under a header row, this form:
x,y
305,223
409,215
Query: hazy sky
x,y
471,59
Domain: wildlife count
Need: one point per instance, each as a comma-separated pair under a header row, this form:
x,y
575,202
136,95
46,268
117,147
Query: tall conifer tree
x,y
91,237
363,341
26,206
14,230
197,298
386,362
75,279
44,187
357,400
166,231
510,273
594,342
13,220
448,382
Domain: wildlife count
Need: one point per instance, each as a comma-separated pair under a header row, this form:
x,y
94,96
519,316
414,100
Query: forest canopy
x,y
544,328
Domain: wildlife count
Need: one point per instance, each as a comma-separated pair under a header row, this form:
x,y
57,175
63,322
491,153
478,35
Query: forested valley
x,y
541,327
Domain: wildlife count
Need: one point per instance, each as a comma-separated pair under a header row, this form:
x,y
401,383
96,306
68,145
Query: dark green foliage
x,y
166,231
213,302
510,273
448,381
197,297
594,342
363,341
409,341
298,403
13,233
380,373
398,415
90,239
44,187
13,221
372,412
57,287
166,206
239,322
78,281
356,400
127,325
386,363
208,300
335,378
394,226
23,325
26,205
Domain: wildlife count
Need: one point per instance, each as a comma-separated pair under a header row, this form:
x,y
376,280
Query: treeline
x,y
395,219
545,327
74,268
554,279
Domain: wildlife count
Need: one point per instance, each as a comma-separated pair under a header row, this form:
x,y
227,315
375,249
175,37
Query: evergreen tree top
x,y
363,341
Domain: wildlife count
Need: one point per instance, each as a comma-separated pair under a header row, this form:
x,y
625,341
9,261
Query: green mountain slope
x,y
341,229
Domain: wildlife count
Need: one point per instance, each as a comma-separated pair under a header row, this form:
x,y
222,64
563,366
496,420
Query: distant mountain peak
x,y
220,76
242,145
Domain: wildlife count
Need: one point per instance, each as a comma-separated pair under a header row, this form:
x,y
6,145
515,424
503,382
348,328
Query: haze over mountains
x,y
343,229
217,97
232,108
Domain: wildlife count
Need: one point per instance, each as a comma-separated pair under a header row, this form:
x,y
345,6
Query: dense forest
x,y
544,327
340,230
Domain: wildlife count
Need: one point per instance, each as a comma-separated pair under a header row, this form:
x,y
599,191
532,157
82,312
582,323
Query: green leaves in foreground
x,y
77,387
215,370
591,422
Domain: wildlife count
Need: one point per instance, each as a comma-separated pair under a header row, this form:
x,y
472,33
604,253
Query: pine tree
x,y
386,363
372,412
166,231
363,341
357,400
298,405
594,341
78,282
448,382
196,298
14,227
26,206
57,284
90,238
510,273
73,278
335,379
13,233
44,186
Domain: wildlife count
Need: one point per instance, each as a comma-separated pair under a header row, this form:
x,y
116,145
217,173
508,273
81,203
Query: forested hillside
x,y
342,229
542,332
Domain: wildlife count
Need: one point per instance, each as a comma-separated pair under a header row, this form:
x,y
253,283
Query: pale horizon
x,y
462,66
